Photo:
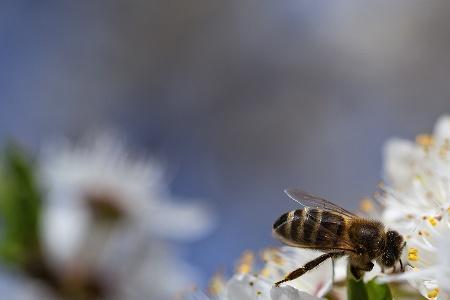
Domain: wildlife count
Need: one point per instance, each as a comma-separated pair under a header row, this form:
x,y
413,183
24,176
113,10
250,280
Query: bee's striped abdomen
x,y
287,227
311,223
280,221
310,227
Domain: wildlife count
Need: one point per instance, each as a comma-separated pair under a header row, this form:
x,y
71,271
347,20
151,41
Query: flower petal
x,y
289,293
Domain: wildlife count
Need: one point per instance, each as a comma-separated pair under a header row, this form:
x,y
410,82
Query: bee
x,y
324,226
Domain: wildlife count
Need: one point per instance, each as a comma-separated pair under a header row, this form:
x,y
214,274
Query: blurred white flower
x,y
246,284
108,213
99,172
417,202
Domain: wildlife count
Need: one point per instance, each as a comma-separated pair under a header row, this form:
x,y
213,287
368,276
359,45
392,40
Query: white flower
x,y
428,256
100,169
107,213
247,285
417,201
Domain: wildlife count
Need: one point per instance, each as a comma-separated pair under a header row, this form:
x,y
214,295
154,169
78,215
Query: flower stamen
x,y
425,140
432,220
245,263
366,205
217,285
413,254
433,293
423,233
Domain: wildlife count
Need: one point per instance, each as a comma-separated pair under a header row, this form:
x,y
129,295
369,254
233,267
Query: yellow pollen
x,y
272,255
432,220
425,140
433,293
217,284
245,263
366,205
413,254
265,272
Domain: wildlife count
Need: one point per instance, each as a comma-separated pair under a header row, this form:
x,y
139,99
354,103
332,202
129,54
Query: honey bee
x,y
324,226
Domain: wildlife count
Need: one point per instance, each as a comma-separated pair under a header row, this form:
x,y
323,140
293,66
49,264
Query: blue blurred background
x,y
239,99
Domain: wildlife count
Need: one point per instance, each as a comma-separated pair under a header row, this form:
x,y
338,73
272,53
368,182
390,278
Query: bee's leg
x,y
401,265
309,266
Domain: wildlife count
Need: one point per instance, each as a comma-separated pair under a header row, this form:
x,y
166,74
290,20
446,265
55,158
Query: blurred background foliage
x,y
240,99
20,202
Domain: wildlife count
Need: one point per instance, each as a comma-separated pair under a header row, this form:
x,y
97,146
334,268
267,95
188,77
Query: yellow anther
x,y
265,272
272,255
413,254
366,205
245,263
276,258
432,220
433,293
425,140
216,285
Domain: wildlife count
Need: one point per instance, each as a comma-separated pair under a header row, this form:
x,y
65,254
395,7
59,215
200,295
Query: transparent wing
x,y
308,200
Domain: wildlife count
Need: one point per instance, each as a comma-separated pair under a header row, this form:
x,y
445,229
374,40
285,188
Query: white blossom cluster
x,y
249,283
416,202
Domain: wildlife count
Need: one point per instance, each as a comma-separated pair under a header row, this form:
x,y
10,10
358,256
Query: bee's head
x,y
392,249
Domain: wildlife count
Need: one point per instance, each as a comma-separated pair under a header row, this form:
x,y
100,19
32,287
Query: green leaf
x,y
20,203
378,291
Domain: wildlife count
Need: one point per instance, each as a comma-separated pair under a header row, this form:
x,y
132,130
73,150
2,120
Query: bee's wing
x,y
308,200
